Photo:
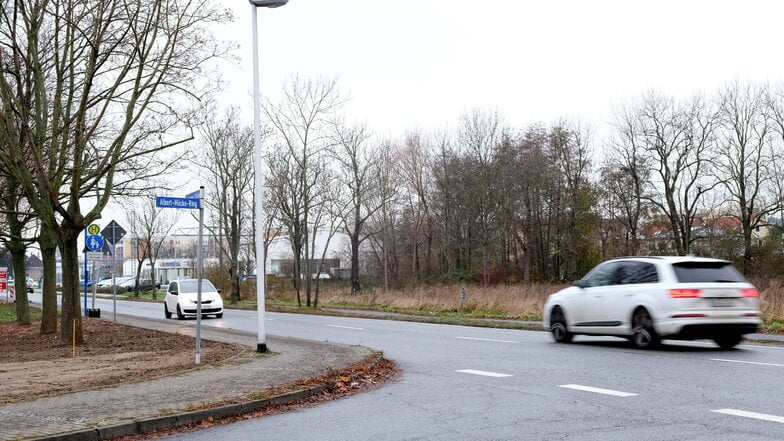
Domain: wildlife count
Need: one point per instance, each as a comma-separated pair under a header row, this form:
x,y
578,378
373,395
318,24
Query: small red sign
x,y
3,274
3,286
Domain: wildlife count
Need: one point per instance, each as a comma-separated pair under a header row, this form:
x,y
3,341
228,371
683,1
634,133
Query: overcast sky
x,y
419,64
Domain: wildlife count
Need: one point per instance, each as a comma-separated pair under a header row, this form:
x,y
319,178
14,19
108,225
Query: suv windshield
x,y
697,272
192,286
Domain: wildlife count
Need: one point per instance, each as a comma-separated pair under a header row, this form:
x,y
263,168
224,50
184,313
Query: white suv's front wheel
x,y
558,326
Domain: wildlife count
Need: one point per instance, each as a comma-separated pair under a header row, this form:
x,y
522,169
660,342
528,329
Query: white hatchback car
x,y
646,299
181,298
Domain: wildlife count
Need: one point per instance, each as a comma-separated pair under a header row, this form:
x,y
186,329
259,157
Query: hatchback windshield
x,y
192,286
698,272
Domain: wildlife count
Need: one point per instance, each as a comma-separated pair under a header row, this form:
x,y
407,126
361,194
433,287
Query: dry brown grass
x,y
508,301
771,299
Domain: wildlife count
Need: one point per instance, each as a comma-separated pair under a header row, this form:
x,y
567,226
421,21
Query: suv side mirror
x,y
580,283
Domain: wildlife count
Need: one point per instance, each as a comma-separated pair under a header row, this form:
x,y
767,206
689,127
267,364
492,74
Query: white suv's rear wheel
x,y
728,341
643,335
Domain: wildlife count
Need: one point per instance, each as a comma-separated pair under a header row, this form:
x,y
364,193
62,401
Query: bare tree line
x,y
488,203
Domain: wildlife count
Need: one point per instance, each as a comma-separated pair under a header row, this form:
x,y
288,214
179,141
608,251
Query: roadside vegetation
x,y
497,306
8,313
464,304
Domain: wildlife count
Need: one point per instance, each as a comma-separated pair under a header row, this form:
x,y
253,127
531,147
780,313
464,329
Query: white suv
x,y
181,298
646,299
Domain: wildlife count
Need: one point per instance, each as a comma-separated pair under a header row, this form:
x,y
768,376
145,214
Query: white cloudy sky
x,y
409,64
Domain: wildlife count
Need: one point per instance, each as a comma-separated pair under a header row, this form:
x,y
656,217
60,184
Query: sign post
x,y
113,233
191,201
92,243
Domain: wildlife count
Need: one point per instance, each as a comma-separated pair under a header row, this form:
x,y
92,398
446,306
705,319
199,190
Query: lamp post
x,y
261,345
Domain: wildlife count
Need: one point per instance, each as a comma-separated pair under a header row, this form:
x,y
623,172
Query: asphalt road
x,y
463,383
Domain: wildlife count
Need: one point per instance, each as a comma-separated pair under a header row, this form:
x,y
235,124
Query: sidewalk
x,y
165,402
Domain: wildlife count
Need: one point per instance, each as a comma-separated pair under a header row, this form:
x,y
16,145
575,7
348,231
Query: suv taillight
x,y
685,293
749,292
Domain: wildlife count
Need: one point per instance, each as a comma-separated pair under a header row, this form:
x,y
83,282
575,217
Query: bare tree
x,y
149,226
679,139
299,139
745,156
415,169
388,183
226,162
775,107
97,89
480,135
569,144
359,173
626,176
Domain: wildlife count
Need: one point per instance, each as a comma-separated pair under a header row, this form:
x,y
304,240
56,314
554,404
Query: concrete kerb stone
x,y
148,425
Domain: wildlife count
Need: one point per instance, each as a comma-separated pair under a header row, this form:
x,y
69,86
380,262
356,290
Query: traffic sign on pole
x,y
113,233
94,242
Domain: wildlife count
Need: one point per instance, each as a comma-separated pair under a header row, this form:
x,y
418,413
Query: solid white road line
x,y
483,373
758,416
777,348
345,327
598,390
747,362
487,339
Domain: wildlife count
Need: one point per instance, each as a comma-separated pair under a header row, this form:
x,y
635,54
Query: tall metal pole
x,y
200,272
261,345
85,273
114,278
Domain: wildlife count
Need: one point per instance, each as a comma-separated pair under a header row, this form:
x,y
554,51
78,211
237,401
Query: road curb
x,y
148,425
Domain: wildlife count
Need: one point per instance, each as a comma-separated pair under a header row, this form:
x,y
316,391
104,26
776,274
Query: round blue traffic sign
x,y
94,242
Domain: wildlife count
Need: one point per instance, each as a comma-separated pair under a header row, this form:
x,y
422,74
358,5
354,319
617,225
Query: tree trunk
x,y
747,251
71,314
18,249
49,286
355,285
137,288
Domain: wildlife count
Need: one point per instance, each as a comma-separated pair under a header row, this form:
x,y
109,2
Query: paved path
x,y
119,409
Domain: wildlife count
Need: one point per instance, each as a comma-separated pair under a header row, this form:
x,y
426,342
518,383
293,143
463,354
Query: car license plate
x,y
720,302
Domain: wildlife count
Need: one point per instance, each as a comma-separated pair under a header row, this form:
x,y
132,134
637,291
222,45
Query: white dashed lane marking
x,y
483,373
747,362
756,416
486,339
346,327
597,390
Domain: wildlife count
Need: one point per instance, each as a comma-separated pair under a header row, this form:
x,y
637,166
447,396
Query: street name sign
x,y
170,202
194,195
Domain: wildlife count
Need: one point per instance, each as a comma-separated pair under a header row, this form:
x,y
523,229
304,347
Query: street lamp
x,y
261,345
